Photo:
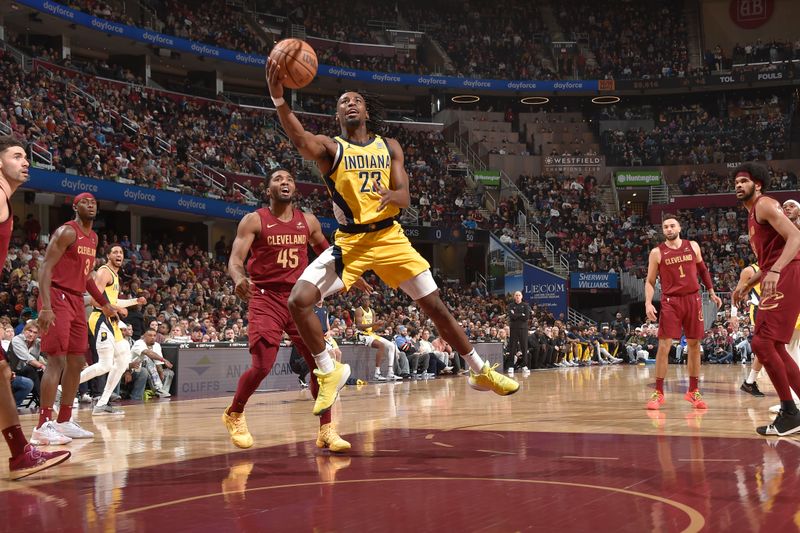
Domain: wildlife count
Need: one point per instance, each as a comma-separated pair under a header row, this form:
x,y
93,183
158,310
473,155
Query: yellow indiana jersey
x,y
354,178
367,317
97,317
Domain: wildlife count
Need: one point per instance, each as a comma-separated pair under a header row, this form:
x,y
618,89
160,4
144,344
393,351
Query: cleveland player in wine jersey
x,y
776,242
277,238
368,184
677,262
67,272
25,458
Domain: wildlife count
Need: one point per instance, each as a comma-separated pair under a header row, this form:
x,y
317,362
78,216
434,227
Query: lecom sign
x,y
751,14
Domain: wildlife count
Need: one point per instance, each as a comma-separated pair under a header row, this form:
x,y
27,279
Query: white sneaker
x,y
392,377
162,393
379,377
511,371
48,435
73,430
85,398
525,369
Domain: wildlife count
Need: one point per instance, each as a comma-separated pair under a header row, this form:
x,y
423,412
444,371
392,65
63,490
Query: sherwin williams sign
x,y
593,280
637,178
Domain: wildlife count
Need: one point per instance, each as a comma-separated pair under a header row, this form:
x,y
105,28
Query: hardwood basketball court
x,y
573,450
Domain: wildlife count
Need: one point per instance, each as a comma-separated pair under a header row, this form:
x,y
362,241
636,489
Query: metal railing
x,y
19,56
74,90
40,156
575,318
659,194
5,128
213,177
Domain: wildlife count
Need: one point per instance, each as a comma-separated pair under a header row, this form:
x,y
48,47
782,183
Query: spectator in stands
x,y
146,354
26,349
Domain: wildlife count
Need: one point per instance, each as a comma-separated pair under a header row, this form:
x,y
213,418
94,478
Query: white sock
x,y
324,362
752,377
390,354
474,361
377,370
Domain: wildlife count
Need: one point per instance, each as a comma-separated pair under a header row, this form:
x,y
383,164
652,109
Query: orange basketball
x,y
297,60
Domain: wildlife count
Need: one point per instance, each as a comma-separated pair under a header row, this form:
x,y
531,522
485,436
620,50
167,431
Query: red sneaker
x,y
696,399
656,401
34,460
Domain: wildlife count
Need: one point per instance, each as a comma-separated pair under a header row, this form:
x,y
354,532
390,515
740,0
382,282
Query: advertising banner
x,y
49,181
545,290
593,280
571,164
490,178
637,178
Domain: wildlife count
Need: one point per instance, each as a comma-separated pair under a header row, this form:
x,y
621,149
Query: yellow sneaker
x,y
329,385
236,425
328,438
488,379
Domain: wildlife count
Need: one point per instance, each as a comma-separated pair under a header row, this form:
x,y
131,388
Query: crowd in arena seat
x,y
175,132
629,41
771,51
693,135
709,182
575,222
485,42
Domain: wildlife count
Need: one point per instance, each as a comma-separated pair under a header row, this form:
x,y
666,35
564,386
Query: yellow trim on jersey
x,y
354,178
755,296
96,318
367,317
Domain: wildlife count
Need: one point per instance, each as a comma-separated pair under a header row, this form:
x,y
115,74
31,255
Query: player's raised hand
x,y
244,289
652,314
274,77
362,285
141,300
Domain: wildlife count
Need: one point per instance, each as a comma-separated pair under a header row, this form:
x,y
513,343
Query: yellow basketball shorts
x,y
387,252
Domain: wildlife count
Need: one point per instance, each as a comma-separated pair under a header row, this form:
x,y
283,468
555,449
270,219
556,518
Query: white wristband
x,y
278,101
734,311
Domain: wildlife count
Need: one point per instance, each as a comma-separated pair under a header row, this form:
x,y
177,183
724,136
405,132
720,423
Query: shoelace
x,y
35,453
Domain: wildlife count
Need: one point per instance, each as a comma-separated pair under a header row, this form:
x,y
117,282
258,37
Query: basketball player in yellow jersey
x,y
749,386
113,351
364,320
368,184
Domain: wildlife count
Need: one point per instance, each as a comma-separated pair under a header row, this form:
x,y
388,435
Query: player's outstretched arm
x,y
319,148
62,239
246,233
650,284
768,210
